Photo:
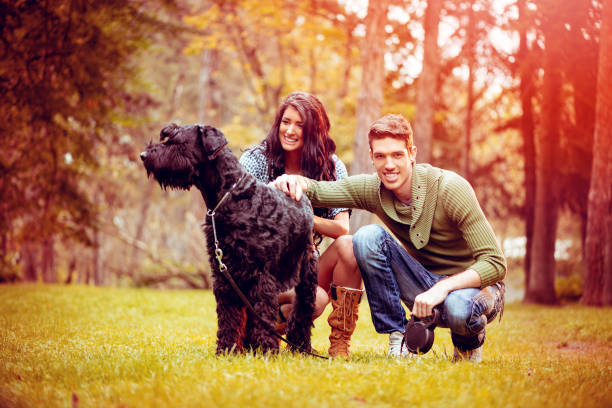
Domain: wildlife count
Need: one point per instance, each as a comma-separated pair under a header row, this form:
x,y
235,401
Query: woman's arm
x,y
332,228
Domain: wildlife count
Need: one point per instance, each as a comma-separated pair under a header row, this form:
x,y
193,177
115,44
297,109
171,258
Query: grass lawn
x,y
70,346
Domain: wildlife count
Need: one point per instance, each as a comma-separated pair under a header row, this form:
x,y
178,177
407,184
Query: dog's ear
x,y
213,140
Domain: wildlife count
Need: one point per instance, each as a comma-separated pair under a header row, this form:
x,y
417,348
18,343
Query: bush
x,y
9,268
568,288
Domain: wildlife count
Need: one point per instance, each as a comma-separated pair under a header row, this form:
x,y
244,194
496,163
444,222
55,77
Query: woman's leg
x,y
285,302
337,265
340,277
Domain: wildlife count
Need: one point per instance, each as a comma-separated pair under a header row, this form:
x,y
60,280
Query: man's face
x,y
393,163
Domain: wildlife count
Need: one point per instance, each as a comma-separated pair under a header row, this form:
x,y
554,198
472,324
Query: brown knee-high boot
x,y
342,319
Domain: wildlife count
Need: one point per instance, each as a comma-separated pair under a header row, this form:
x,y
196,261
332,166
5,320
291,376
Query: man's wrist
x,y
304,183
444,286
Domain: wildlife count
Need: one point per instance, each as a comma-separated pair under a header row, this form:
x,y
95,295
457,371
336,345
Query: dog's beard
x,y
177,180
179,176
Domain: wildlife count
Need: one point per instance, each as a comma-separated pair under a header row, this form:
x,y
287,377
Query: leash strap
x,y
210,213
228,277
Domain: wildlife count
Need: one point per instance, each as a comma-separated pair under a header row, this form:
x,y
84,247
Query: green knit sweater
x,y
444,228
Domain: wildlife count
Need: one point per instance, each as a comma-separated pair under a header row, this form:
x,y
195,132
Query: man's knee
x,y
367,240
456,319
462,315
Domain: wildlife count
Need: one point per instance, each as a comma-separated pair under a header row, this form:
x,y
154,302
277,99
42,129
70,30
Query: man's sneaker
x,y
473,356
469,348
396,349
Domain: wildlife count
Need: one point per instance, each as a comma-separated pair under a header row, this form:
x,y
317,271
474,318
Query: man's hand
x,y
291,184
426,301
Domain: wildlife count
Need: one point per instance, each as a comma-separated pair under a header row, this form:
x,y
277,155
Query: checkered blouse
x,y
254,161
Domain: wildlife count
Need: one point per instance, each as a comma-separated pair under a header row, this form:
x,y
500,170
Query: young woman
x,y
299,143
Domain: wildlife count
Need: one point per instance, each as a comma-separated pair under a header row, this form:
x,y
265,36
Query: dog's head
x,y
176,159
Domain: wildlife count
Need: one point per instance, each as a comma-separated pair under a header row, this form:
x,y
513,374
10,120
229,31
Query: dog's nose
x,y
143,156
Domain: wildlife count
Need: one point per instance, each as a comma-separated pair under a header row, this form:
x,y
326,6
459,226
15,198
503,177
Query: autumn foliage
x,y
503,92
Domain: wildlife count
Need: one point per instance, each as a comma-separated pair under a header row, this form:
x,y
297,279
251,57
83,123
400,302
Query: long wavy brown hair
x,y
316,161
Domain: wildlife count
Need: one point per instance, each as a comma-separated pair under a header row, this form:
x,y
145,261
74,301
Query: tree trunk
x,y
312,59
370,99
99,277
467,147
585,94
427,86
206,83
541,286
598,253
98,271
346,76
526,73
72,265
30,264
208,109
582,73
142,221
49,273
4,242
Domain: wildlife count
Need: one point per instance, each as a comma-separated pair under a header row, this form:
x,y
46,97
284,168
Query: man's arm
x,y
462,208
359,191
425,302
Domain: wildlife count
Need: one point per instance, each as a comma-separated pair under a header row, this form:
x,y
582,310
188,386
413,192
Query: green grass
x,y
138,348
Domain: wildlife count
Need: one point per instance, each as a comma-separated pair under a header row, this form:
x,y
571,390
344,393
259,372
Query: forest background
x,y
514,95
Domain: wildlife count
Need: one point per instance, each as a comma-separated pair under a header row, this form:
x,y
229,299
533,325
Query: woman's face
x,y
290,131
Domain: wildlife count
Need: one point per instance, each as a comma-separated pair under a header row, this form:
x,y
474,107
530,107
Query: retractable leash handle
x,y
419,334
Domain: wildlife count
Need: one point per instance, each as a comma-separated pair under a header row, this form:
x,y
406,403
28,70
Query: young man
x,y
447,253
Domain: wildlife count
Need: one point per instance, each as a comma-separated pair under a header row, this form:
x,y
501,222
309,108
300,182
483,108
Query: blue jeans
x,y
391,275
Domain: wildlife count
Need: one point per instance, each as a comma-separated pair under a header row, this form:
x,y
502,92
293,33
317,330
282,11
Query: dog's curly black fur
x,y
265,236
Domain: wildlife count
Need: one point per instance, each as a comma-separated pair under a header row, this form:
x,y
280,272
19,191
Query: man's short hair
x,y
391,125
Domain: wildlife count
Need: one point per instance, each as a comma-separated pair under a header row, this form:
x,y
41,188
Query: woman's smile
x,y
290,132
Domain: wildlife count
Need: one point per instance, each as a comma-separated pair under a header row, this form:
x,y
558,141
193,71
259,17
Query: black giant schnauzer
x,y
265,237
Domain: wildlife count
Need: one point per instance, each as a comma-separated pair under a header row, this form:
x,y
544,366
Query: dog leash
x,y
228,276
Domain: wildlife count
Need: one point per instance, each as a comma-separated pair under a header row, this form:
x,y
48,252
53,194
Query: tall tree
x,y
370,99
541,285
469,108
426,92
598,252
526,73
65,73
208,106
583,18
